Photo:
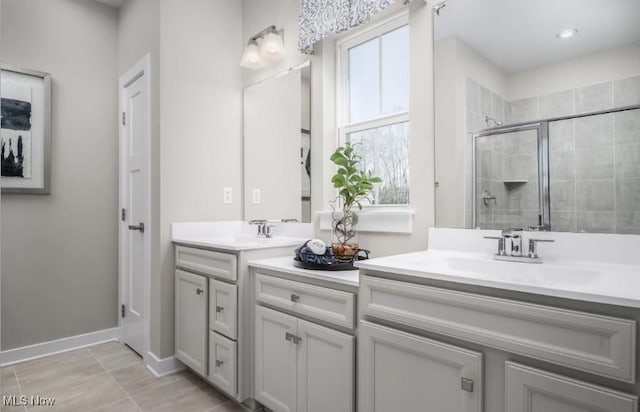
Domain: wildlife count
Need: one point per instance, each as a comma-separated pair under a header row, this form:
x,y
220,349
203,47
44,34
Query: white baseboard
x,y
39,350
162,367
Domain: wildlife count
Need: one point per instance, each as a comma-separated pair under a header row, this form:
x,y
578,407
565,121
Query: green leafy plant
x,y
354,186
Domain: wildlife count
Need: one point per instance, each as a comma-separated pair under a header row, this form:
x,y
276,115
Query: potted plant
x,y
354,186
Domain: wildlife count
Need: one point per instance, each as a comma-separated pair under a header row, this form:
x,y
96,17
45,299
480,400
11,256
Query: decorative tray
x,y
335,265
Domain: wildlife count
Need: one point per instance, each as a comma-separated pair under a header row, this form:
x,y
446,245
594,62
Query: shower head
x,y
496,122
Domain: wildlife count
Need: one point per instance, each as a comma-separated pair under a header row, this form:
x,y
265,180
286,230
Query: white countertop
x,y
235,244
285,264
606,283
234,236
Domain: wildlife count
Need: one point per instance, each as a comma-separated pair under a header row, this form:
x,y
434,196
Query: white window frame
x,y
369,32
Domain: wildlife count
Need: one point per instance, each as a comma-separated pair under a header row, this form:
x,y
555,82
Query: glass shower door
x,y
507,190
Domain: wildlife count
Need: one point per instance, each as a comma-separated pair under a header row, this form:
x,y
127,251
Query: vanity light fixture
x,y
566,33
264,47
251,57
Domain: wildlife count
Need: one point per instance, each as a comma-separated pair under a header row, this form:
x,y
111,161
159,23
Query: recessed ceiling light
x,y
566,33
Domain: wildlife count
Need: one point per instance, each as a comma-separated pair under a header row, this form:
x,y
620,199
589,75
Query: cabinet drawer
x,y
324,304
208,262
223,361
223,308
597,344
534,390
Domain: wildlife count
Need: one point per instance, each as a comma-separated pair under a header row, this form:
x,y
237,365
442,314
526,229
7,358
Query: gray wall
x,y
201,126
59,252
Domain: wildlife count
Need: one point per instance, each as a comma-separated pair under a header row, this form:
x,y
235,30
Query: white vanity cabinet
x,y
430,343
213,309
304,340
302,366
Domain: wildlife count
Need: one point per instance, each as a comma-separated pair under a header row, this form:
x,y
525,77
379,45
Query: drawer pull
x,y
466,384
199,291
291,337
294,298
219,363
219,309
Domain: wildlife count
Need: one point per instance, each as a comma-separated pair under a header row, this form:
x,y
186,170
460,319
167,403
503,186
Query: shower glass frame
x,y
542,130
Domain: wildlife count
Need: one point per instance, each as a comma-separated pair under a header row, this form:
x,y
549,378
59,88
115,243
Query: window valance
x,y
321,18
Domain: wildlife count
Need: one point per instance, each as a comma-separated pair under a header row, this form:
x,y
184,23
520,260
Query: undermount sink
x,y
523,273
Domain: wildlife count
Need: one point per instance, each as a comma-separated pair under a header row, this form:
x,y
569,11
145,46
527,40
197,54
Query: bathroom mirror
x,y
277,142
537,115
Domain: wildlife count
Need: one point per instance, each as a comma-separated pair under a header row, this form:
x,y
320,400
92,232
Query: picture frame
x,y
25,132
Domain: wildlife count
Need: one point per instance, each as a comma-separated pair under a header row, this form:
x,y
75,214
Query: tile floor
x,y
108,377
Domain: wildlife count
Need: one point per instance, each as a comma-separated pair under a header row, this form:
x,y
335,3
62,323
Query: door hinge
x,y
122,311
124,118
123,214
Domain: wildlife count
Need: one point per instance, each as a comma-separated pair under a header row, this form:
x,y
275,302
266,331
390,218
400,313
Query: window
x,y
373,91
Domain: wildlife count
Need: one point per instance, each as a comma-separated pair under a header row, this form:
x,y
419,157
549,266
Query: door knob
x,y
294,298
199,291
219,309
140,227
219,363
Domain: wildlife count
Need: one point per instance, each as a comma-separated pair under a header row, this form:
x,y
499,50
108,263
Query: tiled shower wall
x,y
594,161
481,102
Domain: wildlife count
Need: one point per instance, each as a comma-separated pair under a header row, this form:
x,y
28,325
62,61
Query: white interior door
x,y
134,190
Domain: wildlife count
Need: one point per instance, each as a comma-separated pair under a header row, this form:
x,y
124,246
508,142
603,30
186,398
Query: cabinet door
x,y
275,360
223,307
191,320
326,363
534,390
400,371
222,363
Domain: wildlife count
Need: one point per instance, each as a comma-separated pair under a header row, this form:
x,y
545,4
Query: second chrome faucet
x,y
513,239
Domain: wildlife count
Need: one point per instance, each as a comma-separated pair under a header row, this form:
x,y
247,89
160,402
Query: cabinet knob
x,y
199,291
466,384
219,363
219,309
291,337
294,297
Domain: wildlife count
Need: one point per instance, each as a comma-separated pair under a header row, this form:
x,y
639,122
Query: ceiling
x,y
112,3
520,34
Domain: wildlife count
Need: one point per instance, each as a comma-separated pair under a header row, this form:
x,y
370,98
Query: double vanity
x,y
447,329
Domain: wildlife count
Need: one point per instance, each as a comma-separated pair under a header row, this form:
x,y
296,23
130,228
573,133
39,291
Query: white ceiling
x,y
112,3
520,34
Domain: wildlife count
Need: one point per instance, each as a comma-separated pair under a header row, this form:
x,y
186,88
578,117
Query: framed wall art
x,y
25,131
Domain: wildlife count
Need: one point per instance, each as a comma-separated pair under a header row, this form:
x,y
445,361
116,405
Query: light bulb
x,y
251,57
272,47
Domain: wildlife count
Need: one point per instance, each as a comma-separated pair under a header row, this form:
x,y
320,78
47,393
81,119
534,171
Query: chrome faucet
x,y
515,253
516,240
262,226
264,229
